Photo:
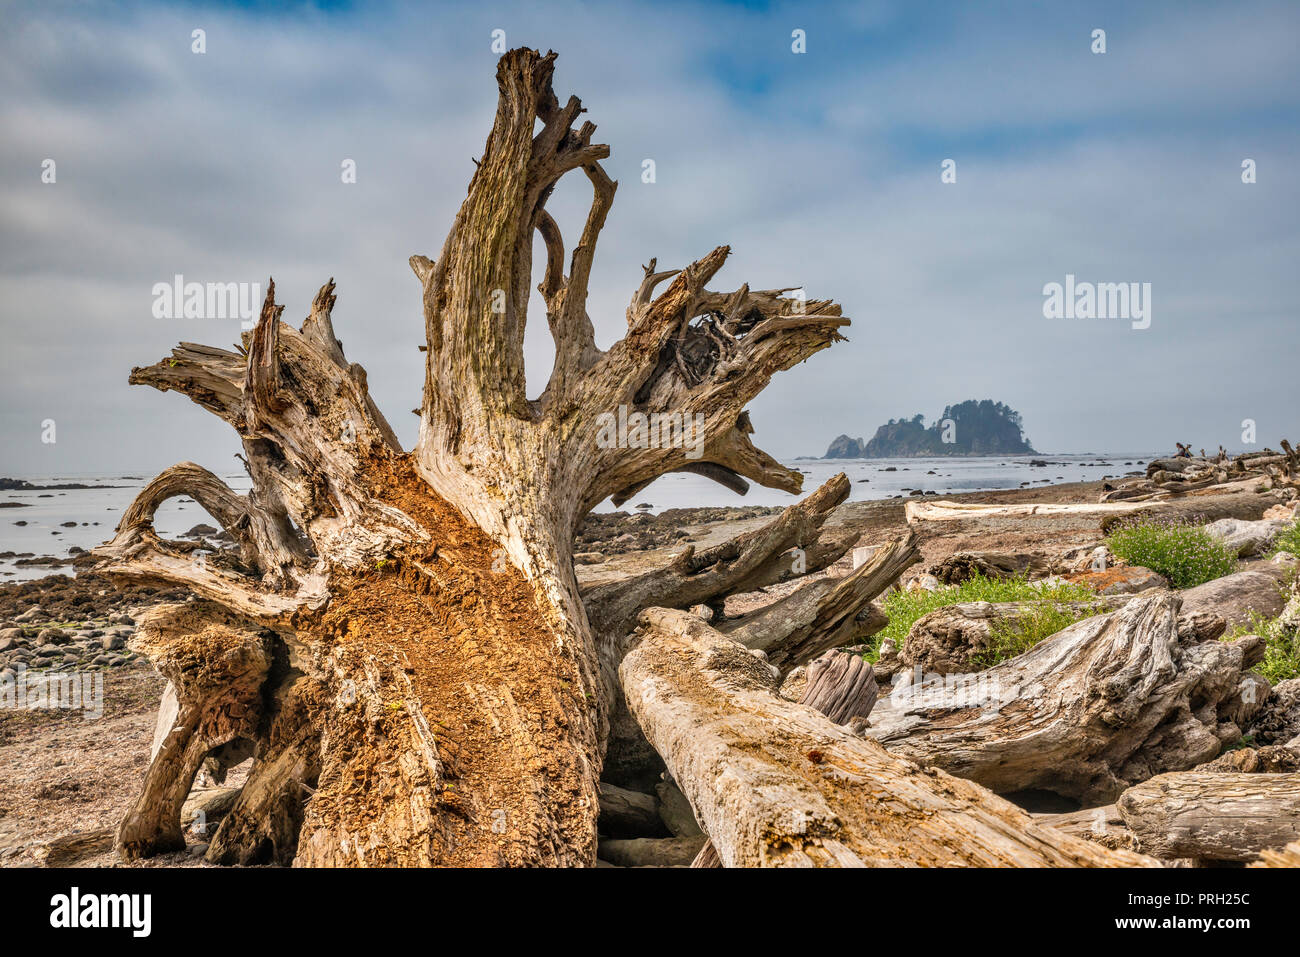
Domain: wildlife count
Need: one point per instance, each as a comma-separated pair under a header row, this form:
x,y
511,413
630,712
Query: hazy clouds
x,y
819,169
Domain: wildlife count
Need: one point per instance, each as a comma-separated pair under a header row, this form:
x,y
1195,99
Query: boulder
x,y
1236,597
1244,537
1123,580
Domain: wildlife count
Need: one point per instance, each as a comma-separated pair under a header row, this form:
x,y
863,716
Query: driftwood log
x,y
778,784
1213,816
1103,704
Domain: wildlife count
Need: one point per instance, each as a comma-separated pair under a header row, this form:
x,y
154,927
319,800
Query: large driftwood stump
x,y
430,689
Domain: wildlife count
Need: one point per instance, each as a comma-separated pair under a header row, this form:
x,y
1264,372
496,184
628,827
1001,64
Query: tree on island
x,y
982,427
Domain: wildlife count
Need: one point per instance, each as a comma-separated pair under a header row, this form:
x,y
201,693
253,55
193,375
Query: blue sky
x,y
820,169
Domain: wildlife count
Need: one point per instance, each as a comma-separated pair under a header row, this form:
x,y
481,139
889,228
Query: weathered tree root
x,y
217,667
1107,702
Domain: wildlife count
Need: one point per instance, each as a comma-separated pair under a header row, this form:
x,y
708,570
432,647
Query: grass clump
x,y
1281,647
1287,540
1016,636
905,607
1185,554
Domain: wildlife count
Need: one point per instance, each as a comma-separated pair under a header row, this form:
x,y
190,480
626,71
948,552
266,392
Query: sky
x,y
822,169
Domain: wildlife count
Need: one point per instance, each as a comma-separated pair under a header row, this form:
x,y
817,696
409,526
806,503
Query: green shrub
x,y
1041,620
1288,540
904,607
1185,554
1281,648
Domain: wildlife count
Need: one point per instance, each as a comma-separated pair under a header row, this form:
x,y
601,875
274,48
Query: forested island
x,y
973,427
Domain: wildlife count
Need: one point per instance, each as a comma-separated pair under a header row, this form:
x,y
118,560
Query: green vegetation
x,y
1185,554
1282,647
1288,540
904,608
1011,638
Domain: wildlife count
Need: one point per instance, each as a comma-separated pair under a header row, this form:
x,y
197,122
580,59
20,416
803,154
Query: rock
x,y
112,642
103,660
1278,720
1283,512
49,650
1246,538
1236,597
53,636
702,612
1086,558
588,558
888,663
843,447
199,531
1124,580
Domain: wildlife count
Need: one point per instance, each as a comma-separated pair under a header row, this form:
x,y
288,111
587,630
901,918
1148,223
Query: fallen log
x,y
1237,598
1190,508
825,613
625,813
777,784
652,851
1104,825
1103,704
961,566
1209,816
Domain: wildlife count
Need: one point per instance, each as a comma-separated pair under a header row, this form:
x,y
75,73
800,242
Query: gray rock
x,y
49,650
103,660
112,642
1235,597
1245,537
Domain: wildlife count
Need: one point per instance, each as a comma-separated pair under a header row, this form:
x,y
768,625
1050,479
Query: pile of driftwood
x,y
399,641
1173,477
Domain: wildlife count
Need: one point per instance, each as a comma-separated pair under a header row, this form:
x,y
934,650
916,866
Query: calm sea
x,y
94,512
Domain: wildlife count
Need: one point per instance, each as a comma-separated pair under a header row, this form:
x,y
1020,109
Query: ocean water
x,y
94,512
